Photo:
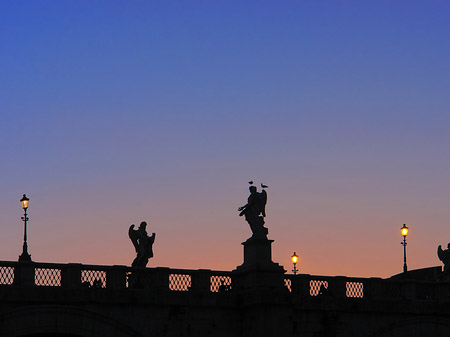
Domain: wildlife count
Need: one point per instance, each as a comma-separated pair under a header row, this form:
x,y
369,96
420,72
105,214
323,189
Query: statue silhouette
x,y
444,256
142,243
255,211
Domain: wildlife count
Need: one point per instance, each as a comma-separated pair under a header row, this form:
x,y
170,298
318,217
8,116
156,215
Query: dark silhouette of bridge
x,y
75,300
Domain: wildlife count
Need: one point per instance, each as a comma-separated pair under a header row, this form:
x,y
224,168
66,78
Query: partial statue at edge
x,y
255,211
142,243
444,256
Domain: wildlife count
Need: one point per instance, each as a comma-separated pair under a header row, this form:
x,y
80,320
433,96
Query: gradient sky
x,y
114,112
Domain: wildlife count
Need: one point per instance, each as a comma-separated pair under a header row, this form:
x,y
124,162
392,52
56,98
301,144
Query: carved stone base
x,y
258,269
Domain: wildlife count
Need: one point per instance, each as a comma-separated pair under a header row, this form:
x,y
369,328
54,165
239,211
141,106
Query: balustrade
x,y
74,275
366,288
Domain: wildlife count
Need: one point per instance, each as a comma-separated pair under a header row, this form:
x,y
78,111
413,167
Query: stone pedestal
x,y
258,256
260,284
258,269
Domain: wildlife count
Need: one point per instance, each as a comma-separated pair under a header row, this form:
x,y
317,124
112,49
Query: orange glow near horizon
x,y
350,135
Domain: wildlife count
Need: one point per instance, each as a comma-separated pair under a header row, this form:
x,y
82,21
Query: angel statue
x,y
142,243
255,211
444,256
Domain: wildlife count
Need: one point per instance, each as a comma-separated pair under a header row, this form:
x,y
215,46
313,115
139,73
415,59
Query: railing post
x,y
24,274
338,286
161,278
71,275
116,277
201,280
373,288
300,285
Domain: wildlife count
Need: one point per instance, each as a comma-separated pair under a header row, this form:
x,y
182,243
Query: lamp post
x,y
294,258
404,231
25,257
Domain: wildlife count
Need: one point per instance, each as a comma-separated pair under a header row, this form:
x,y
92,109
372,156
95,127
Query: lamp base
x,y
25,257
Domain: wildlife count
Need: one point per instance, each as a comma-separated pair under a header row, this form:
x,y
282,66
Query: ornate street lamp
x,y
294,258
404,231
25,257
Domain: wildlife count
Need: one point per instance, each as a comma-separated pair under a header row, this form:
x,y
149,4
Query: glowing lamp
x,y
24,202
294,258
404,230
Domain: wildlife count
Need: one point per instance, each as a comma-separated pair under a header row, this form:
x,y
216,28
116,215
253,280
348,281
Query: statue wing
x,y
150,241
262,202
133,235
440,253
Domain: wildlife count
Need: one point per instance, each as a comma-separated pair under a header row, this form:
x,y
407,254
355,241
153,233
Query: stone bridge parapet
x,y
89,300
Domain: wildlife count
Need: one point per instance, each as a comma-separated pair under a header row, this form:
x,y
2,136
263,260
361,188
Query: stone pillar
x,y
338,287
373,288
260,284
201,280
116,277
161,280
24,274
300,285
71,275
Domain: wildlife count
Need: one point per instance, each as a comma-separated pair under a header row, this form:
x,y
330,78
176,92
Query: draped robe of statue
x,y
255,211
142,243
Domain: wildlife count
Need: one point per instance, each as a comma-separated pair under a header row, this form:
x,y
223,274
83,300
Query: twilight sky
x,y
114,112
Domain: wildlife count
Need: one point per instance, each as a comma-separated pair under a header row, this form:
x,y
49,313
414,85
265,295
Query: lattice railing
x,y
6,275
318,287
180,282
220,283
93,278
47,277
354,289
288,284
183,280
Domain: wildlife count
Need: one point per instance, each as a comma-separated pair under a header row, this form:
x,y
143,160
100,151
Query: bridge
x,y
255,299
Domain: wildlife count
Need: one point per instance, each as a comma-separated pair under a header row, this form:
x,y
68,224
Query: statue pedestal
x,y
258,269
258,255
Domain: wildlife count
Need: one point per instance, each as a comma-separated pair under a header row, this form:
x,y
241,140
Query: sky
x,y
115,112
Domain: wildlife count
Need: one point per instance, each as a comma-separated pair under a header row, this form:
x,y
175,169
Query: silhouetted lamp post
x,y
294,258
24,257
404,230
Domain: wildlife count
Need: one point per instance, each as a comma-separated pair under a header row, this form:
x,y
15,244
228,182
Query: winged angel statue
x,y
255,211
142,243
444,256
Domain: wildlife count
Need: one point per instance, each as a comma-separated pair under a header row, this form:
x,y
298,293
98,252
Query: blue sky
x,y
114,112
